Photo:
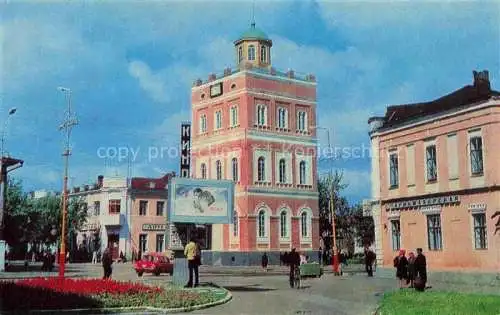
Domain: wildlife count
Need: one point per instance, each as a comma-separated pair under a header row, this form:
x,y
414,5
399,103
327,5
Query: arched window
x,y
251,52
218,169
234,166
203,171
282,168
263,54
302,173
235,224
261,169
283,224
218,119
262,224
240,54
304,224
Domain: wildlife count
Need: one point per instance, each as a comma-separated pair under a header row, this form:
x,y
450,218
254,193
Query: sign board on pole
x,y
201,201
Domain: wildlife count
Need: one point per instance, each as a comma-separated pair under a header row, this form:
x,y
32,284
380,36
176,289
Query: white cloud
x,y
150,82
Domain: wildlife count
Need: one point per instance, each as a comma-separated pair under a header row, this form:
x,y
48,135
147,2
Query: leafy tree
x,y
29,220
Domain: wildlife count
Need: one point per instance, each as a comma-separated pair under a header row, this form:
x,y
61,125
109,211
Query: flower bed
x,y
57,293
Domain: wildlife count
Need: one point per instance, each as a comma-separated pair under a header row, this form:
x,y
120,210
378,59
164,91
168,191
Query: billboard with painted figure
x,y
200,201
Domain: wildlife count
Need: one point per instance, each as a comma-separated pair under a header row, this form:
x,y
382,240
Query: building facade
x,y
124,215
256,126
436,179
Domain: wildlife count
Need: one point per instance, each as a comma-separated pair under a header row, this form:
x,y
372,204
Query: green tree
x,y
329,188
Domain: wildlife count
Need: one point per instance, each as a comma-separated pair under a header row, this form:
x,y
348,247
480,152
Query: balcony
x,y
112,219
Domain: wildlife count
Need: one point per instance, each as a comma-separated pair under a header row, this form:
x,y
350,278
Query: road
x,y
257,292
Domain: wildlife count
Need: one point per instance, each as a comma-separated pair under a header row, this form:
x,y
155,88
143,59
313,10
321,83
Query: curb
x,y
226,299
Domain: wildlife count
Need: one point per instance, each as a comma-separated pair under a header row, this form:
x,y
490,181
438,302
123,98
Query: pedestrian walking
x,y
265,261
401,265
94,257
107,261
420,266
369,260
190,252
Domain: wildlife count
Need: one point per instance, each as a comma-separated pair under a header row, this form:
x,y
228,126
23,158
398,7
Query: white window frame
x,y
218,119
267,225
478,209
219,173
282,121
263,53
203,123
251,52
392,221
233,169
302,120
288,225
308,237
234,116
470,135
392,153
302,177
429,144
282,171
261,115
146,243
240,54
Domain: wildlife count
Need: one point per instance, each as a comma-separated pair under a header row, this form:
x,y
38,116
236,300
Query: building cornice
x,y
466,191
492,102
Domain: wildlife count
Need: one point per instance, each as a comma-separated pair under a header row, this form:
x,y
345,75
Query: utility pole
x,y
67,125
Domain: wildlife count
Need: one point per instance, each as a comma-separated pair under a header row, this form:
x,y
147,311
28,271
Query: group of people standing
x,y
411,271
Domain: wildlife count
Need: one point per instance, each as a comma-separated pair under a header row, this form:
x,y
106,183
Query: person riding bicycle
x,y
294,261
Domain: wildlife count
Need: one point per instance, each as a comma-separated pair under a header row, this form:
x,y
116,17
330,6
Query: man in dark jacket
x,y
294,261
369,260
107,261
420,266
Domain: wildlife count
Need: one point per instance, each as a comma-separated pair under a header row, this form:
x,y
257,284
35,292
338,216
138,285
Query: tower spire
x,y
253,14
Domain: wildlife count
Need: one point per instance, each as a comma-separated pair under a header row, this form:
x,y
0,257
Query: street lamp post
x,y
12,111
331,205
67,125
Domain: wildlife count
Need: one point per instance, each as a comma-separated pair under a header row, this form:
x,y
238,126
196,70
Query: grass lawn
x,y
433,303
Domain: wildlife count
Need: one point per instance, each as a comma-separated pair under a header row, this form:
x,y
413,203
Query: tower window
x,y
282,169
261,115
240,54
251,52
263,54
302,173
234,164
261,168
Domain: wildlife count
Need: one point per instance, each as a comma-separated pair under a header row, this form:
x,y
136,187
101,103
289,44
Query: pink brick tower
x,y
256,125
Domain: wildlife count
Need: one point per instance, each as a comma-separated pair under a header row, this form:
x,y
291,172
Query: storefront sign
x,y
185,149
425,202
89,227
154,227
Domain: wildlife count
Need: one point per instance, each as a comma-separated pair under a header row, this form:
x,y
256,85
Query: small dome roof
x,y
253,33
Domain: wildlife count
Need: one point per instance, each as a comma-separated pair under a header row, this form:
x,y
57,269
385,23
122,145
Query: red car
x,y
155,263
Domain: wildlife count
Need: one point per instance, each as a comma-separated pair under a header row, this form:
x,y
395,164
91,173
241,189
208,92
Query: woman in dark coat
x,y
401,265
411,269
420,271
265,261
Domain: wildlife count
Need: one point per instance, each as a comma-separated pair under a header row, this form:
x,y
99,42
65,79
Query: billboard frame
x,y
227,184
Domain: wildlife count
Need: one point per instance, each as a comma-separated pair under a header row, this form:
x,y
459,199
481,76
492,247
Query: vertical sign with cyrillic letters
x,y
185,149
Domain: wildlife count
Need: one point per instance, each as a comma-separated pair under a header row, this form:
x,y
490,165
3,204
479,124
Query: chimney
x,y
100,180
482,79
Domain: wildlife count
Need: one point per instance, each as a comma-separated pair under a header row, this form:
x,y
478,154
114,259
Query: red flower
x,y
88,286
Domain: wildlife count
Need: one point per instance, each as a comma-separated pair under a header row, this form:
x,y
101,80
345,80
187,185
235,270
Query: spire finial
x,y
253,14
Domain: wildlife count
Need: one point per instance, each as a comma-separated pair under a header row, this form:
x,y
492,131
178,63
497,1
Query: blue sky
x,y
131,65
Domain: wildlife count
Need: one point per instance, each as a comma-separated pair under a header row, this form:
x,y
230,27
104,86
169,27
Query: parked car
x,y
155,263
